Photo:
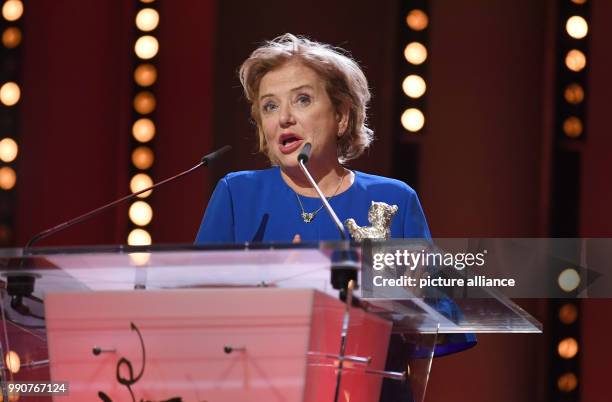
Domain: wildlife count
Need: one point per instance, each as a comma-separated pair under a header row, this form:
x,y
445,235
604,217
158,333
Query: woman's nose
x,y
286,117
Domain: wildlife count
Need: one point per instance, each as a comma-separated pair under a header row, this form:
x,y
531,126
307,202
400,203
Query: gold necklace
x,y
307,217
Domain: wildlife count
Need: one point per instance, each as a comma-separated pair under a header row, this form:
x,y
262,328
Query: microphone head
x,y
304,154
214,155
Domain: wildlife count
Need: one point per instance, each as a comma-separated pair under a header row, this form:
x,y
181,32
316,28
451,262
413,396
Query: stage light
x,y
8,178
413,120
139,182
12,10
579,1
13,362
139,237
143,130
567,348
147,19
142,157
144,102
11,37
10,93
575,60
569,280
414,86
415,53
577,27
572,127
567,382
574,94
146,47
568,313
8,150
145,75
417,20
141,213
139,259
5,235
147,1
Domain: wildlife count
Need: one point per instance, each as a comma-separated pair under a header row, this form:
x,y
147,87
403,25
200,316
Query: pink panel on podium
x,y
185,332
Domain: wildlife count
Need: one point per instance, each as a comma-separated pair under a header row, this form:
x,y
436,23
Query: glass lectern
x,y
232,323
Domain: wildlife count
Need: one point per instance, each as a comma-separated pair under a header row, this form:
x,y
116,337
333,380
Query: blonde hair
x,y
346,85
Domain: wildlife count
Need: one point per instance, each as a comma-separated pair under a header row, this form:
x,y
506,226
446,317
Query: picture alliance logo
x,y
411,260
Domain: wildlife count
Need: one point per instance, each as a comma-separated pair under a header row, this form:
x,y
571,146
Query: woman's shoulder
x,y
378,183
251,176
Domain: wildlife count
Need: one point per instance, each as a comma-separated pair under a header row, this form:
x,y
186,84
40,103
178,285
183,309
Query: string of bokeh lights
x,y
570,126
10,95
566,337
143,133
575,63
413,83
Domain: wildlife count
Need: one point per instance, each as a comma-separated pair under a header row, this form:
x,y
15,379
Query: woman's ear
x,y
343,118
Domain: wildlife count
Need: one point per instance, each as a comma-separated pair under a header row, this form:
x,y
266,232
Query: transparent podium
x,y
233,323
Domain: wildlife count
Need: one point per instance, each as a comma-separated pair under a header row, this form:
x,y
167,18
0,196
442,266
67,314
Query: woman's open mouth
x,y
289,142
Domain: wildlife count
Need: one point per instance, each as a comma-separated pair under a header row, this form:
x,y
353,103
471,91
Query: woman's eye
x,y
268,107
303,99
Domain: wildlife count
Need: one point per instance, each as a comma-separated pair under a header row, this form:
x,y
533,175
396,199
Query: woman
x,y
302,91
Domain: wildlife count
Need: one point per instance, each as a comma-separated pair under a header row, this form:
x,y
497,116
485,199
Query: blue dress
x,y
258,206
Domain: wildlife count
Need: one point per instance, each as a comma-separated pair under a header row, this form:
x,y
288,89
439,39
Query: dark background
x,y
484,167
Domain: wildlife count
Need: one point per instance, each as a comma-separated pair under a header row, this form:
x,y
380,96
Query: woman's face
x,y
294,108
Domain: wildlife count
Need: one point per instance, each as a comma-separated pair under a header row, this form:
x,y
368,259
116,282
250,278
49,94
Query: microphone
x,y
303,157
304,154
344,264
205,161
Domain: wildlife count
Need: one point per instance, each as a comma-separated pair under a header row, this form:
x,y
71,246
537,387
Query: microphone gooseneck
x,y
303,157
205,161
